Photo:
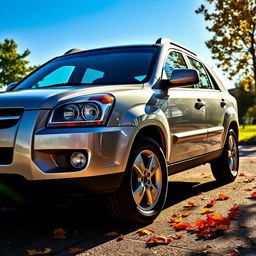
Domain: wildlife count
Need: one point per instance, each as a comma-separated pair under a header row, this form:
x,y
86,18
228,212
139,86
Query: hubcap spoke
x,y
152,165
139,193
230,142
152,194
139,166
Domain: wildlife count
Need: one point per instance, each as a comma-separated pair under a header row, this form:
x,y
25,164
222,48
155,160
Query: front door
x,y
186,116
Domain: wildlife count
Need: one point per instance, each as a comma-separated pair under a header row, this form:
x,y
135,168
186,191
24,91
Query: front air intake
x,y
10,117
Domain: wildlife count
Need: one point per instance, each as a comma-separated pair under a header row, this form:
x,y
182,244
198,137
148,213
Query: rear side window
x,y
175,60
91,75
204,81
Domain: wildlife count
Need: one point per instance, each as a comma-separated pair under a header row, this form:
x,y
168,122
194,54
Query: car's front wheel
x,y
143,191
225,168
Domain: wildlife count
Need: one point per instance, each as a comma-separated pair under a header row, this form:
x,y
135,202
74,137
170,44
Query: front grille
x,y
6,155
10,116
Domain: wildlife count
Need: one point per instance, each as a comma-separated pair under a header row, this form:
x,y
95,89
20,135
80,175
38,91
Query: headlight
x,y
90,111
70,112
83,111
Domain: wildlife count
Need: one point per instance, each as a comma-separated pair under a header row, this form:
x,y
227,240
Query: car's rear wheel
x,y
225,168
143,191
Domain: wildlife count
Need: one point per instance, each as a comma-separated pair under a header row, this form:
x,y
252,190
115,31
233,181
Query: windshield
x,y
131,65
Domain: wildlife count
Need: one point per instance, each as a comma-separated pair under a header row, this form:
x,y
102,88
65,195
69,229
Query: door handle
x,y
199,104
223,103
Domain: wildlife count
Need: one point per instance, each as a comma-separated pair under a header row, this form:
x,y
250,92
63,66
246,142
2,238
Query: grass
x,y
248,133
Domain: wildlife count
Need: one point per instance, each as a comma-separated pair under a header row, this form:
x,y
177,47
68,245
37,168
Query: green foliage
x,y
245,99
233,44
13,66
251,112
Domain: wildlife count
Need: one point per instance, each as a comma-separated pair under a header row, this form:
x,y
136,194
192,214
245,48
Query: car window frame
x,y
163,75
213,83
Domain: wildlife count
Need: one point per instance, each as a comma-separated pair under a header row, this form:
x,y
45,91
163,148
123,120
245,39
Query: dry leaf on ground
x,y
156,240
145,231
222,197
59,233
75,250
35,252
114,233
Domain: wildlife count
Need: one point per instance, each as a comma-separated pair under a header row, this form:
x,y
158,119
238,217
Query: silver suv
x,y
117,121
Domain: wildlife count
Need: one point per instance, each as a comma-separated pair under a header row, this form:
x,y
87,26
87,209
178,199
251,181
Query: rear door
x,y
215,105
186,115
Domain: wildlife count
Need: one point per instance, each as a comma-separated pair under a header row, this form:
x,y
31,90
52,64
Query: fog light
x,y
78,160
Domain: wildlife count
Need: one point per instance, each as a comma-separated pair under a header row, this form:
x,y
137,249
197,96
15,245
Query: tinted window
x,y
204,81
175,60
59,75
131,65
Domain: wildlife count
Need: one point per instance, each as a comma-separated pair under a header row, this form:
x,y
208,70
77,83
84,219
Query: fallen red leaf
x,y
179,235
211,225
191,204
253,194
248,189
208,246
120,238
212,203
205,233
222,197
234,253
234,212
241,174
181,226
200,224
162,239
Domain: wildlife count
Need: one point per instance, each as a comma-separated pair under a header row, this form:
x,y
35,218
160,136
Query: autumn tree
x,y
13,66
233,43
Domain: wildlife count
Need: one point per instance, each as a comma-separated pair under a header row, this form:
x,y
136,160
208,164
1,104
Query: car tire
x,y
142,193
225,168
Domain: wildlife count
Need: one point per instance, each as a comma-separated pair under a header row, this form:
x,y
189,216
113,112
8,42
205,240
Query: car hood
x,y
48,98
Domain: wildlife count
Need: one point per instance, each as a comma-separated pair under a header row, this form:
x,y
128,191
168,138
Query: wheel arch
x,y
157,133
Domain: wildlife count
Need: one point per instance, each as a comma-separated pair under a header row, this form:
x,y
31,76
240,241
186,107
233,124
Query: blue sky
x,y
50,27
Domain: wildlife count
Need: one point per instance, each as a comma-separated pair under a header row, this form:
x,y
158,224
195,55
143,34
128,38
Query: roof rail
x,y
164,40
73,50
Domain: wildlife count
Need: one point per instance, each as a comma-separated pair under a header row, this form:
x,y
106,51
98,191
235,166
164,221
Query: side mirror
x,y
181,77
10,86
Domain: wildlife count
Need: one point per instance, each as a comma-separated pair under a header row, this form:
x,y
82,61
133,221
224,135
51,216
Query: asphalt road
x,y
86,223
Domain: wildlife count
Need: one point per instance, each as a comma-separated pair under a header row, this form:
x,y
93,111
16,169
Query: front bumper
x,y
33,146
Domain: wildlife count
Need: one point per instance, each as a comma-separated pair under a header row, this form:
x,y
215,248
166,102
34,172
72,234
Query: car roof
x,y
159,42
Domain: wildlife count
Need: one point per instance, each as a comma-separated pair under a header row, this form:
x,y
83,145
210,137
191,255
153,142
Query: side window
x,y
58,76
204,82
91,75
175,60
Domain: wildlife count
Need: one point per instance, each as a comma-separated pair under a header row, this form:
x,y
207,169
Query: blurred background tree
x,y
13,66
233,44
234,41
